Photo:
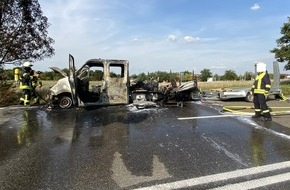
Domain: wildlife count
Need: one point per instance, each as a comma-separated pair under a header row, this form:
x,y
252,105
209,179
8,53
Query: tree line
x,y
204,75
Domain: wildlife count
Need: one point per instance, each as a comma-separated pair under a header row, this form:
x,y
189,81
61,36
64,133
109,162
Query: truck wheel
x,y
249,97
65,102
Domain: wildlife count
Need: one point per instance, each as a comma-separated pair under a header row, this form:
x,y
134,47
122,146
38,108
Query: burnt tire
x,y
65,102
249,97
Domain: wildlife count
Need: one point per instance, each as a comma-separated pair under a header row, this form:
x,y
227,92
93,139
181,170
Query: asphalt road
x,y
190,147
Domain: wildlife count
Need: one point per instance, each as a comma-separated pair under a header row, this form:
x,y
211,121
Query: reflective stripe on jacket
x,y
262,83
25,81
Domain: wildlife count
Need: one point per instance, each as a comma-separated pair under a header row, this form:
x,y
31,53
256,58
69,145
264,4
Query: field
x,y
224,84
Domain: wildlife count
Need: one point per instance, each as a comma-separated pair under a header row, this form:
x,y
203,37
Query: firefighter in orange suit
x,y
260,89
26,83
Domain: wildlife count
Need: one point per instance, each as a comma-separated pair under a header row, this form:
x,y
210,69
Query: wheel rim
x,y
249,97
65,102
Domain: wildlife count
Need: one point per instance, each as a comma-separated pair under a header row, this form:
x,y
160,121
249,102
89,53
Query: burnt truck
x,y
78,89
81,88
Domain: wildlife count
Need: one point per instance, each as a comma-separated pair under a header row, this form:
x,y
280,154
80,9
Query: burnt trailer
x,y
187,91
150,94
81,88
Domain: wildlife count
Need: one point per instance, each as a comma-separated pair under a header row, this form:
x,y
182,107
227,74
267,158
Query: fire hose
x,y
248,110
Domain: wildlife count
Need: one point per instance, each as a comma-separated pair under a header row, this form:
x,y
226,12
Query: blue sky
x,y
164,35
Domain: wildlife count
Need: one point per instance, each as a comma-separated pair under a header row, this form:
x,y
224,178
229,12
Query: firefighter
x,y
260,89
16,74
35,83
26,83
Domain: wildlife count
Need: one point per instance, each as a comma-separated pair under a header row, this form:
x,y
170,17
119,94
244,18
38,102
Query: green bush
x,y
285,90
8,95
285,86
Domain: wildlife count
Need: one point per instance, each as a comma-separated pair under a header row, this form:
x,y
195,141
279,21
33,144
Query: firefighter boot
x,y
266,117
36,101
257,115
21,101
26,101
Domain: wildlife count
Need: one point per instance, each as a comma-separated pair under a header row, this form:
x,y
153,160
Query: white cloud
x,y
255,7
172,37
191,38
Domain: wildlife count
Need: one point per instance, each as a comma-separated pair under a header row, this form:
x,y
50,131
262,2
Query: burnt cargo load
x,y
150,94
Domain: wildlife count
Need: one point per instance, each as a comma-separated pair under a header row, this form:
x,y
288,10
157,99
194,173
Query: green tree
x,y
134,76
216,77
230,75
205,74
66,70
23,32
98,75
160,75
47,75
248,75
187,77
142,77
282,51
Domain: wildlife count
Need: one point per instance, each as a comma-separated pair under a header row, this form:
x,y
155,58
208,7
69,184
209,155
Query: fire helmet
x,y
27,64
261,67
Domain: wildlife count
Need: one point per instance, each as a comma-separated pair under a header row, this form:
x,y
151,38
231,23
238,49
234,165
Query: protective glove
x,y
266,95
252,91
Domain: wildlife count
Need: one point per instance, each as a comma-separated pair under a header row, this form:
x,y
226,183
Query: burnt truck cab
x,y
99,82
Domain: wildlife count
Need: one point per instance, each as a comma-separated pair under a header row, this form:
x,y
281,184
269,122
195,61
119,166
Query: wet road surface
x,y
124,148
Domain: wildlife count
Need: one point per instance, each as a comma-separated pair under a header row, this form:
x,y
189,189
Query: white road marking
x,y
257,183
246,173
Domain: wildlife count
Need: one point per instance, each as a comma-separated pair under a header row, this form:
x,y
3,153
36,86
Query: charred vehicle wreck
x,y
145,94
104,82
79,88
149,94
187,91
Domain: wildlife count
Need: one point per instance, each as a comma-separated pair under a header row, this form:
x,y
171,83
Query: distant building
x,y
209,79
